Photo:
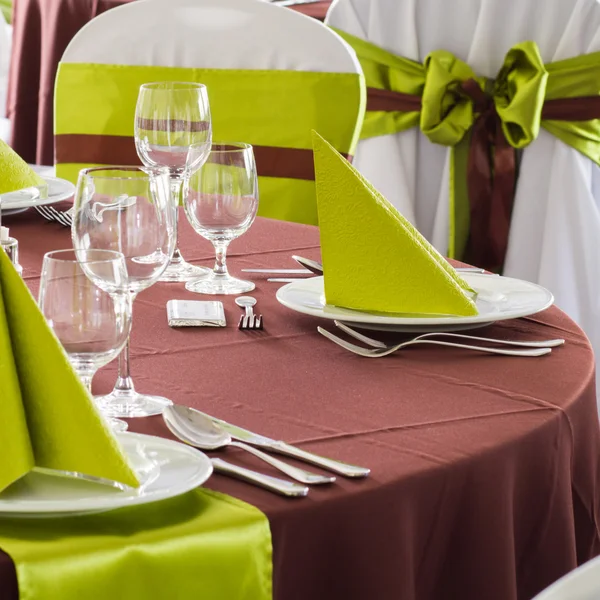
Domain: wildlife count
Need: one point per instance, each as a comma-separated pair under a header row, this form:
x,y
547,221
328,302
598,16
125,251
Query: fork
x,y
379,352
248,320
51,214
377,344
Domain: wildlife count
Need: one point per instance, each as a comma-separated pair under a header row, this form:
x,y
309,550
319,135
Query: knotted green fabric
x,y
484,121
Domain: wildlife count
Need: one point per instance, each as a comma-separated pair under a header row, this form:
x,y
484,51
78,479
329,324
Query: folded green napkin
x,y
373,258
6,9
47,417
16,173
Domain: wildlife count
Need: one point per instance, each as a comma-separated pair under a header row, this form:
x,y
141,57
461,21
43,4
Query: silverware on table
x,y
202,432
293,2
379,352
248,320
339,467
317,268
52,214
279,271
526,344
273,484
284,279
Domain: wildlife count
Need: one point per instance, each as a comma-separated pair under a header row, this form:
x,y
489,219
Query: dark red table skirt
x,y
42,31
485,476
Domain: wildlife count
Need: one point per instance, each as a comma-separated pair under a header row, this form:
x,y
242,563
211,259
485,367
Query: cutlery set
x,y
208,433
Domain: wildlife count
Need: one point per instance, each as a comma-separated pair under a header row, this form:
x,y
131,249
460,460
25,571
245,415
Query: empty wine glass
x,y
128,209
84,297
220,201
170,117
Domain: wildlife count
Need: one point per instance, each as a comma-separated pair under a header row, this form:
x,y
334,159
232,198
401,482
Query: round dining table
x,y
42,30
485,473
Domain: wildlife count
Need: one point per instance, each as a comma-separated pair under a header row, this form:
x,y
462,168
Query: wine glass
x,y
170,117
128,209
84,297
220,202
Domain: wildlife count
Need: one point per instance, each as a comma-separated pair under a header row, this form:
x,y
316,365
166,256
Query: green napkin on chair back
x,y
47,417
16,173
373,259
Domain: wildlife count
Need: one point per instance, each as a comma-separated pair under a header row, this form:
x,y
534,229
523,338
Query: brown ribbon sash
x,y
77,148
491,168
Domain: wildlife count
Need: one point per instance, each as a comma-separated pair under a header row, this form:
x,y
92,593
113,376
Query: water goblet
x,y
220,202
128,209
84,297
170,118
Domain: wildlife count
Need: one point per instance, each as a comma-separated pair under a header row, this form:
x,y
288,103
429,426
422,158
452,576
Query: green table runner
x,y
203,545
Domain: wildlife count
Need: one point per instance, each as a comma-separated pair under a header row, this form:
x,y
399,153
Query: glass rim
x,y
226,146
185,84
115,255
148,171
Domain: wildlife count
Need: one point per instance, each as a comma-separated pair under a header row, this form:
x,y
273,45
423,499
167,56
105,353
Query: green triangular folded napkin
x,y
373,258
16,173
47,417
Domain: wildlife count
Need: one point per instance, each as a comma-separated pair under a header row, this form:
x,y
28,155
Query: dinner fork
x,y
379,352
378,344
248,320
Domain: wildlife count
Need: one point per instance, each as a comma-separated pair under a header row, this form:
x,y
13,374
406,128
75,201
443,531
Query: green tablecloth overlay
x,y
202,545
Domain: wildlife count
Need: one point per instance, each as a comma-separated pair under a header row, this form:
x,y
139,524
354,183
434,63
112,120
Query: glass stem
x,y
87,381
176,187
124,382
220,269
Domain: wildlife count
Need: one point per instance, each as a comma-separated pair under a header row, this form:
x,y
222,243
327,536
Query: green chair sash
x,y
6,9
200,545
274,111
483,121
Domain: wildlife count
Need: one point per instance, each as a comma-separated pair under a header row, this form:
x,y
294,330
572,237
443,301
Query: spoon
x,y
317,268
207,435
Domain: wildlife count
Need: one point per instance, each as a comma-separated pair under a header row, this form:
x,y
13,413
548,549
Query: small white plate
x,y
58,190
165,468
499,298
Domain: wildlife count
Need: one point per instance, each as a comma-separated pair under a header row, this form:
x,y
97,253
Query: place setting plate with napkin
x,y
24,187
379,272
58,454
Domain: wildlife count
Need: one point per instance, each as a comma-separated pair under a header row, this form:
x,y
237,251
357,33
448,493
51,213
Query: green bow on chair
x,y
484,121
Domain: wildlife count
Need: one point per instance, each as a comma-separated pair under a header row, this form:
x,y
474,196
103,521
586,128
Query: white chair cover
x,y
556,216
581,584
218,34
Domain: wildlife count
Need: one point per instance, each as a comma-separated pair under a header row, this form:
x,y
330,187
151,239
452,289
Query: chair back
x,y
555,221
272,75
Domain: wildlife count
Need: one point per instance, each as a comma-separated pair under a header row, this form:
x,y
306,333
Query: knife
x,y
277,271
280,447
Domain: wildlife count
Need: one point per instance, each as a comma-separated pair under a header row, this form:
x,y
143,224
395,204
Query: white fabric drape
x,y
555,229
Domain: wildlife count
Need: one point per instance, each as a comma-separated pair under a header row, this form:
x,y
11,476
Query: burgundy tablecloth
x,y
42,31
485,475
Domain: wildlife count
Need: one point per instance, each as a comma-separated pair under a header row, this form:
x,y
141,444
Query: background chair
x,y
581,584
555,223
272,76
5,44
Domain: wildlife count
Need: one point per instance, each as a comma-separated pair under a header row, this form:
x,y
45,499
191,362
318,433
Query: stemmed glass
x,y
130,210
220,202
171,117
84,297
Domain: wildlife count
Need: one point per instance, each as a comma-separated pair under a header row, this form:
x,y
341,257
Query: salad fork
x,y
378,344
379,352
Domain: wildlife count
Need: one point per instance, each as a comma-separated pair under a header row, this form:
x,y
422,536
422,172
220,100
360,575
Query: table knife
x,y
280,447
277,271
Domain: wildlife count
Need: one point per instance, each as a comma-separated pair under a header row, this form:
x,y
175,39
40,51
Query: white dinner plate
x,y
499,298
58,190
165,468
